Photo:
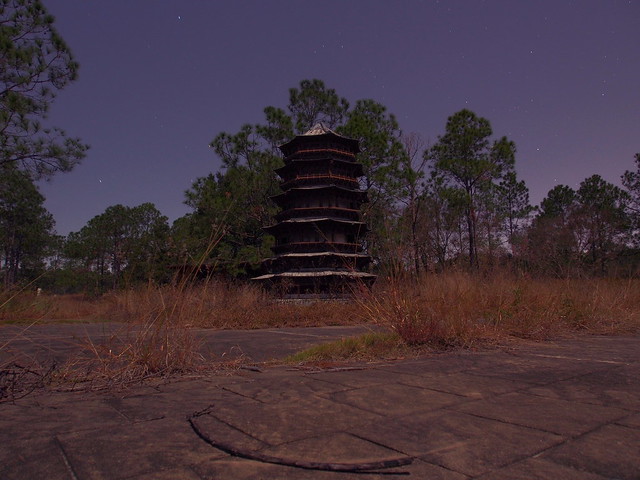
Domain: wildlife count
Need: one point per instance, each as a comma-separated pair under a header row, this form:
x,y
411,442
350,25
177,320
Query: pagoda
x,y
319,250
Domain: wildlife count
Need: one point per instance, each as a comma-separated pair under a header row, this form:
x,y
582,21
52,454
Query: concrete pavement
x,y
568,409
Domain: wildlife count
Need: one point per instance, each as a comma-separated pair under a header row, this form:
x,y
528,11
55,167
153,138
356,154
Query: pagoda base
x,y
318,285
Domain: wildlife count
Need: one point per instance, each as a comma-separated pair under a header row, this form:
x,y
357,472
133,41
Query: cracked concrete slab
x,y
545,414
567,409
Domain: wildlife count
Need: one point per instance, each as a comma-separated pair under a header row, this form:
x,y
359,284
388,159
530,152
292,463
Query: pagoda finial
x,y
319,129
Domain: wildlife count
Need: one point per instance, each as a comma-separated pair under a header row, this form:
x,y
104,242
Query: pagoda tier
x,y
319,248
317,261
325,170
320,196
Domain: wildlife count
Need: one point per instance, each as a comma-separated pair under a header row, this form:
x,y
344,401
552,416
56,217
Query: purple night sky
x,y
159,79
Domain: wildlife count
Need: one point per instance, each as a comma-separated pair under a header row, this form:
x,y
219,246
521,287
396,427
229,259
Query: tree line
x,y
457,203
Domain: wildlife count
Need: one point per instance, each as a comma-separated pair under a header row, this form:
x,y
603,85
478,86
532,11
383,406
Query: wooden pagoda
x,y
319,250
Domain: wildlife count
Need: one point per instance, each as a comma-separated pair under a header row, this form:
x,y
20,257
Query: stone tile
x,y
539,469
614,386
292,420
611,451
468,385
439,363
616,349
51,415
141,448
356,378
396,400
34,458
540,370
551,415
175,403
459,442
283,388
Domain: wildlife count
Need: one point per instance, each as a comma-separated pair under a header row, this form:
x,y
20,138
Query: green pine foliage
x,y
36,64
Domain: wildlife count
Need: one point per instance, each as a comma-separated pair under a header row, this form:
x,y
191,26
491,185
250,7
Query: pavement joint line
x,y
533,384
380,444
65,459
633,413
298,334
505,422
562,357
582,402
207,411
248,397
439,391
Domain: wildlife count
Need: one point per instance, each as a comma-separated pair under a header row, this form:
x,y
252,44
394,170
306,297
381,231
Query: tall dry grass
x,y
225,305
438,311
153,334
460,309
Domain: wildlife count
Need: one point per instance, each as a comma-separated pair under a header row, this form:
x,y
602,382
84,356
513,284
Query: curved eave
x,y
328,273
320,254
294,222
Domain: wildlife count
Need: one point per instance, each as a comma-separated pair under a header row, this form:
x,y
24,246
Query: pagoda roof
x,y
294,221
318,130
324,273
328,253
311,188
320,254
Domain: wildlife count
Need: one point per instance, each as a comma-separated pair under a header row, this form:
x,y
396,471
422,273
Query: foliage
x,y
631,182
581,231
313,103
465,158
36,64
232,205
123,244
455,205
601,221
26,227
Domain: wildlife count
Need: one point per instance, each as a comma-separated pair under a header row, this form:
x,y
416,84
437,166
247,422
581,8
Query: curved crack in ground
x,y
363,467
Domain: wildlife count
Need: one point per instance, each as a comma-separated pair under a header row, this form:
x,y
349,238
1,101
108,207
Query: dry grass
x,y
222,305
455,310
462,310
26,307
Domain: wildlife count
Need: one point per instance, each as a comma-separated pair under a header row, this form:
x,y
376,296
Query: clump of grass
x,y
463,310
226,305
370,346
152,349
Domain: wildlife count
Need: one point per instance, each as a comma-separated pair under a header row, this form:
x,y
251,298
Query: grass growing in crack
x,y
369,346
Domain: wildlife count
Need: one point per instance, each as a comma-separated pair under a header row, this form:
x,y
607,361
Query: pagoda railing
x,y
320,176
321,150
310,247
